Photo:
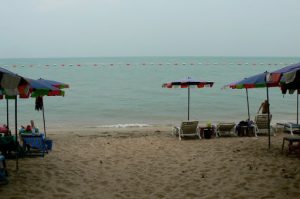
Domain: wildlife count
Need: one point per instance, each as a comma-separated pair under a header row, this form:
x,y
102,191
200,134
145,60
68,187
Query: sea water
x,y
127,91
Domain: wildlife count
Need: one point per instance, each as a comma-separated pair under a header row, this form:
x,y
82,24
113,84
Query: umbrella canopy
x,y
12,84
255,81
56,84
188,83
289,79
42,88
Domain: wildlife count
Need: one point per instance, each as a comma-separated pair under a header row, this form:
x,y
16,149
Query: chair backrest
x,y
189,127
261,121
35,141
226,126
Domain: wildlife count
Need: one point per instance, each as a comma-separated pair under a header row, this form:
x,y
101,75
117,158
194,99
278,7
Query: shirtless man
x,y
264,107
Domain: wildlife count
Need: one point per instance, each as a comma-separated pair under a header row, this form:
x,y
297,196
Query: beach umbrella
x,y
188,83
255,81
41,87
289,80
11,85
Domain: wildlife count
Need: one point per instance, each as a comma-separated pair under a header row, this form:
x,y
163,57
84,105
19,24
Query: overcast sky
x,y
89,28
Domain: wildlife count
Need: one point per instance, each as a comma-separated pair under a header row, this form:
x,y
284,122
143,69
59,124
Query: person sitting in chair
x,y
264,107
29,128
33,128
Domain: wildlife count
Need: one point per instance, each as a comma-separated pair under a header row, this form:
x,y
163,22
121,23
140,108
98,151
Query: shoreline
x,y
142,127
151,163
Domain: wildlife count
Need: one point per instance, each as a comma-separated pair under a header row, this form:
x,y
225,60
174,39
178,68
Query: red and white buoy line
x,y
147,64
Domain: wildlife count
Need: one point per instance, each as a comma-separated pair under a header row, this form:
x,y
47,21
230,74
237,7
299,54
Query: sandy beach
x,y
151,163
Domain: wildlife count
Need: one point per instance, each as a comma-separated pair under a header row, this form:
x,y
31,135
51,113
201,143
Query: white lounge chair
x,y
226,129
262,125
187,129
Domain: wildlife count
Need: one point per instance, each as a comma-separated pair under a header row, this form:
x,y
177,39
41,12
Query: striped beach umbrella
x,y
188,83
12,84
289,79
42,87
255,81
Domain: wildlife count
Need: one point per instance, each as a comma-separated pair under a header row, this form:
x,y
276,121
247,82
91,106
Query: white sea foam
x,y
123,125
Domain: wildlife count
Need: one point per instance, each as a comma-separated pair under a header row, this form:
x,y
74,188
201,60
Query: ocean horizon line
x,y
148,56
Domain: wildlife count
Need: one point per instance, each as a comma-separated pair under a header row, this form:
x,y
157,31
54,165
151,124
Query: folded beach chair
x,y
226,129
262,125
187,129
291,128
34,144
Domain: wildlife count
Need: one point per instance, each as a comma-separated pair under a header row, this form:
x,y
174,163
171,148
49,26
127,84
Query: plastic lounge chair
x,y
226,129
292,128
262,125
33,144
187,129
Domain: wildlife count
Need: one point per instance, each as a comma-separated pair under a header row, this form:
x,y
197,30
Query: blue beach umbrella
x,y
188,83
255,81
42,87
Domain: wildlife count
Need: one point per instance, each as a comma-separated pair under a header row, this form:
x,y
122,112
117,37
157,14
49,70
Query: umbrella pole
x,y
297,106
188,103
44,120
16,134
7,116
269,132
248,104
